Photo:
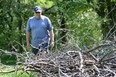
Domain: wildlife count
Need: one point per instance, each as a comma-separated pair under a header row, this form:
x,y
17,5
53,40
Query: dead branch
x,y
101,46
70,64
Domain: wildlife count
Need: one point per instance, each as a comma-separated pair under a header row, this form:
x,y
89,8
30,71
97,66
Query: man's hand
x,y
51,39
51,44
28,46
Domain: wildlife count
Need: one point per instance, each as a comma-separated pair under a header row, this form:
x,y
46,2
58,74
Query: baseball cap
x,y
37,9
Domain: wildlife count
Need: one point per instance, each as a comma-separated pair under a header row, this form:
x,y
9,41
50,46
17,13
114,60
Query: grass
x,y
15,74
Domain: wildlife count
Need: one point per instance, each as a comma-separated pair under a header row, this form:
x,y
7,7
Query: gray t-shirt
x,y
39,30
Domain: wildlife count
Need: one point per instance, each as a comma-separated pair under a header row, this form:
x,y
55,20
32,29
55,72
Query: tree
x,y
106,10
13,16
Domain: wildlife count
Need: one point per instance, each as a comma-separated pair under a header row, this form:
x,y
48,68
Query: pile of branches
x,y
100,61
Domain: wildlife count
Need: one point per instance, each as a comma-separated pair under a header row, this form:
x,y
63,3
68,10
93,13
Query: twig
x,y
109,59
81,62
106,55
93,57
110,71
101,46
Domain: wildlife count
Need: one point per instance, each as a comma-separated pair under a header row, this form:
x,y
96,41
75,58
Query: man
x,y
41,30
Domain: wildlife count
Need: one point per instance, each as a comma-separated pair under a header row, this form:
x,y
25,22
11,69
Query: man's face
x,y
38,14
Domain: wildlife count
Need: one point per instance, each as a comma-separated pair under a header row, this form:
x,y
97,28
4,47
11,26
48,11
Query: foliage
x,y
11,15
82,23
106,10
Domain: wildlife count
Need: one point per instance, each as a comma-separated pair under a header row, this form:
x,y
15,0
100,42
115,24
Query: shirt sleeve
x,y
49,27
28,29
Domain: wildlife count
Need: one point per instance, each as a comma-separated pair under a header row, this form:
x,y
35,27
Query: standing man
x,y
39,27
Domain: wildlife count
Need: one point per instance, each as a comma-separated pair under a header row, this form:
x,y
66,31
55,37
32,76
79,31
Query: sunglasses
x,y
37,12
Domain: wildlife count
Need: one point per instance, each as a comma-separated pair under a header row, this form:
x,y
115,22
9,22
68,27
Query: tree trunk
x,y
63,32
20,27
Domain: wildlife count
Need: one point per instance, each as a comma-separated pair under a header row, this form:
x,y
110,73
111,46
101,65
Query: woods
x,y
64,15
79,25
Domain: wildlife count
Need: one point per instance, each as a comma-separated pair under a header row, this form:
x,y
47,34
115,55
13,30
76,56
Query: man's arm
x,y
51,38
27,39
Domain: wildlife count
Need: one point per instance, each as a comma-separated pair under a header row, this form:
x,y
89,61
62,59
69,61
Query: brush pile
x,y
100,61
97,62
